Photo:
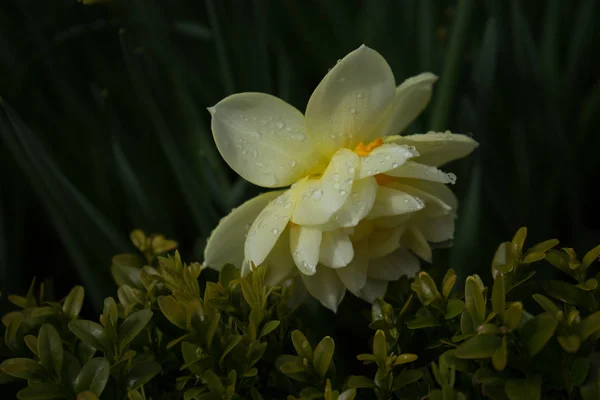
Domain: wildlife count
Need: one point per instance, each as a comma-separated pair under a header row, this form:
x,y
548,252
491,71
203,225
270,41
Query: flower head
x,y
361,202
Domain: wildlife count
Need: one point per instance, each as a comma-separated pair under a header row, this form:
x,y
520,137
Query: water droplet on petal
x,y
343,192
451,177
394,165
317,194
288,129
292,163
336,177
297,136
352,110
348,181
351,170
360,96
279,125
275,231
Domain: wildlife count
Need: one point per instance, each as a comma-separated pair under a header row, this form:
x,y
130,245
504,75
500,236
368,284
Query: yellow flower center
x,y
363,150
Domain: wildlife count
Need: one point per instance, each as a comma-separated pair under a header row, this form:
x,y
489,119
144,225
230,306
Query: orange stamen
x,y
363,150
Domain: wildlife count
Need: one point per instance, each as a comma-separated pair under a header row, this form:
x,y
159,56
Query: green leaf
x,y
268,328
32,344
74,302
361,382
480,346
513,315
126,270
424,321
141,374
302,345
93,376
323,356
498,293
549,306
405,358
24,368
50,349
590,257
448,282
43,391
132,326
579,370
87,395
173,311
406,377
590,325
380,349
590,390
500,356
90,332
524,389
568,293
536,332
569,343
474,301
233,342
425,288
454,308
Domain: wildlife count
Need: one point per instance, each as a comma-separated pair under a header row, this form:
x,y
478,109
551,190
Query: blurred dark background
x,y
104,128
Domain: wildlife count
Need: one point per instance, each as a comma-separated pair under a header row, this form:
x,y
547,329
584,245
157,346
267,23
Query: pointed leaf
x,y
323,355
480,346
93,376
24,368
536,332
50,349
90,332
132,326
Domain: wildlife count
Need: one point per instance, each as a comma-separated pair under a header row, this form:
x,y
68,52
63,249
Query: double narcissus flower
x,y
362,203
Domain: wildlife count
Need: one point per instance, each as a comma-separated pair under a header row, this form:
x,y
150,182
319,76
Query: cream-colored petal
x,y
364,228
226,243
279,262
384,241
325,286
350,101
437,148
437,230
373,289
357,206
320,198
392,221
263,139
415,170
414,240
305,244
268,226
411,98
393,266
336,249
439,190
354,275
390,201
434,206
385,158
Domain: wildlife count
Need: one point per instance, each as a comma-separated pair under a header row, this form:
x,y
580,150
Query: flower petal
x,y
268,226
393,221
385,158
373,289
436,148
336,249
325,286
279,262
226,243
390,202
305,244
354,275
415,170
361,230
321,198
411,98
416,242
437,230
434,206
393,266
356,207
384,241
263,139
349,102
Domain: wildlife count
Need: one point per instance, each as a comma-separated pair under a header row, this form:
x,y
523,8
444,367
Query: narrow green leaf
x,y
93,376
24,368
233,342
590,325
474,301
590,257
323,356
406,377
480,346
380,349
568,293
132,326
268,328
448,282
74,302
549,306
50,349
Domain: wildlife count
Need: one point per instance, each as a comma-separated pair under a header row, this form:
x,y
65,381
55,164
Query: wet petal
x,y
280,264
436,148
349,102
305,244
385,158
226,243
391,201
384,241
373,289
357,206
393,266
415,170
434,206
263,139
325,286
414,240
437,230
411,98
336,249
354,275
320,198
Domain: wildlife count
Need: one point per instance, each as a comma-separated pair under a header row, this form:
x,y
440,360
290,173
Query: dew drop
x,y
387,157
451,177
360,96
317,194
287,205
405,201
352,110
297,136
369,172
394,165
292,163
279,125
351,170
288,129
348,181
254,134
336,177
275,231
248,227
343,192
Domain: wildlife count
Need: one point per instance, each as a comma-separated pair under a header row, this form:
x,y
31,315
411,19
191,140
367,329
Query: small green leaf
x,y
424,321
569,343
406,377
590,257
498,293
568,293
474,301
579,370
31,342
233,342
87,395
90,332
228,273
524,389
24,368
361,382
536,332
543,247
173,311
448,282
590,325
405,358
323,356
214,383
268,328
500,356
513,315
43,391
132,326
454,308
93,376
516,245
533,257
590,284
302,345
50,349
425,288
74,302
480,346
549,306
141,374
380,349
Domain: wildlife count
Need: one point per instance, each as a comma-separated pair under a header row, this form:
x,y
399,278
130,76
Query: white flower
x,y
354,211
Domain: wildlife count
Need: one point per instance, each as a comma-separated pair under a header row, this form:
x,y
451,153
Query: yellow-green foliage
x,y
169,338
